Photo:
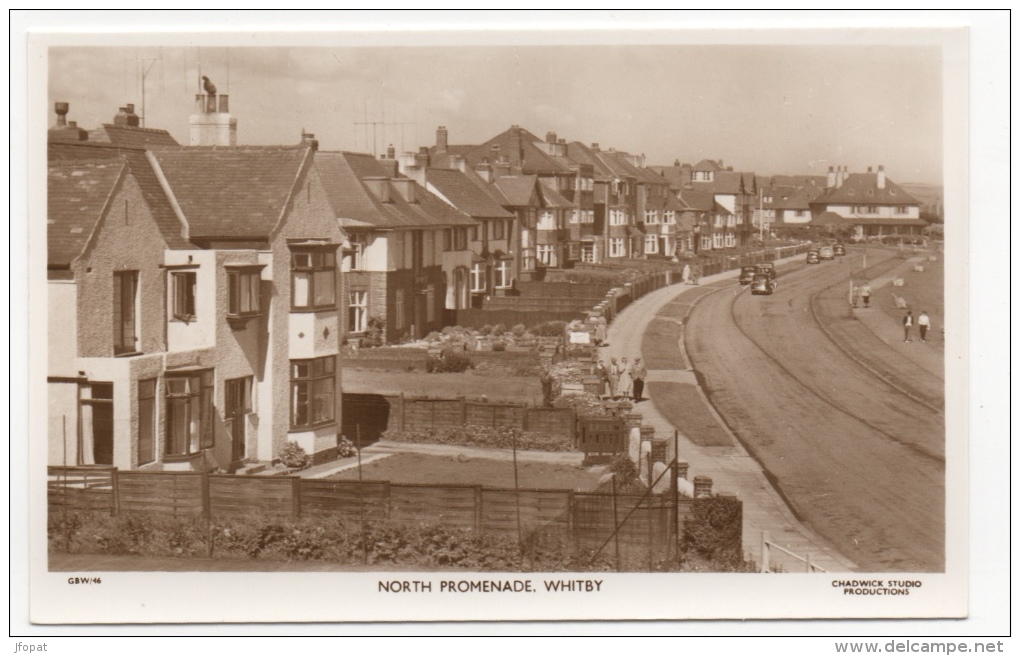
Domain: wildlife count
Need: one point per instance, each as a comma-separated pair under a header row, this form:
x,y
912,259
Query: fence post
x,y
765,552
115,482
400,415
295,493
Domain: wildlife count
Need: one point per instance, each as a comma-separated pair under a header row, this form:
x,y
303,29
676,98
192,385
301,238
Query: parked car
x,y
825,253
812,257
747,274
767,269
838,249
762,284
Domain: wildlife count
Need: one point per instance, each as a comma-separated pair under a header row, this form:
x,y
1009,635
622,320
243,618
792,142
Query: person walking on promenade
x,y
686,275
623,388
865,294
855,293
923,323
614,378
696,274
908,323
603,374
638,372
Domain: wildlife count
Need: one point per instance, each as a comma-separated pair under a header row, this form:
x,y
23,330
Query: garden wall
x,y
374,414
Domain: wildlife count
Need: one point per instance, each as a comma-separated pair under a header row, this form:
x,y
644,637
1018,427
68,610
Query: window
x,y
477,277
651,244
498,229
184,294
357,312
312,392
313,279
901,209
652,217
528,259
706,242
398,314
502,274
670,218
357,252
547,254
243,291
589,216
460,239
588,253
574,216
547,220
448,239
189,413
125,324
146,421
800,213
430,303
616,247
617,217
474,233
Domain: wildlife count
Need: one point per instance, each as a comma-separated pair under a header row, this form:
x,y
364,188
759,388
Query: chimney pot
x,y
61,108
391,152
595,145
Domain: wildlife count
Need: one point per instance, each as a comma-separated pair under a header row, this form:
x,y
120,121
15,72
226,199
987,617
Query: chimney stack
x,y
391,152
442,137
881,176
830,180
595,145
458,163
869,169
550,137
484,170
839,177
61,108
308,139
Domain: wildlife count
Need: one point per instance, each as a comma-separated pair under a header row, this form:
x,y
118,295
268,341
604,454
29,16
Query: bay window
x,y
313,278
547,254
312,392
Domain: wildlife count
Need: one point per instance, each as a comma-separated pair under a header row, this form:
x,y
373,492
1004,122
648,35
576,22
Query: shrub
x,y
519,330
499,345
293,455
502,437
450,362
549,329
715,528
346,448
583,404
623,468
499,330
485,330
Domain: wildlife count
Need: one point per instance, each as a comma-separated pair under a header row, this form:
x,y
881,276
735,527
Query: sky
x,y
783,109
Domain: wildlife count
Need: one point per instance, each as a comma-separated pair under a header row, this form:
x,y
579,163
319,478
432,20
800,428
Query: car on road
x,y
825,253
747,274
812,257
767,269
762,284
838,249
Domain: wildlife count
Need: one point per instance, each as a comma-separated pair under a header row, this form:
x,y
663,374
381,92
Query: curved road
x,y
850,431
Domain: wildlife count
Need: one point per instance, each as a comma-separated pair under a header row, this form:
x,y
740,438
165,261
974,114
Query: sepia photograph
x,y
499,326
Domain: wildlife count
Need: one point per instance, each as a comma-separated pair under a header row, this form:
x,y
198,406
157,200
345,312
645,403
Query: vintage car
x,y
825,253
767,269
747,274
812,257
762,284
838,249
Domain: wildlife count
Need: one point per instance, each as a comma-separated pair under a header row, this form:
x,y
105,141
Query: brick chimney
x,y
391,152
830,181
839,177
457,162
484,170
595,145
880,180
550,137
65,130
442,137
61,108
308,139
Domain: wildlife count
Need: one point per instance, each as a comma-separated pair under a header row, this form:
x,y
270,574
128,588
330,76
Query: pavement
x,y
731,468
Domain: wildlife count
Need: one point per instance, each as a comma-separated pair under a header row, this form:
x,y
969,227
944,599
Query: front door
x,y
97,424
237,407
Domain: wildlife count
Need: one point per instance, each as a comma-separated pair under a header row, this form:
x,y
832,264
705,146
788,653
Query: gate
x,y
601,438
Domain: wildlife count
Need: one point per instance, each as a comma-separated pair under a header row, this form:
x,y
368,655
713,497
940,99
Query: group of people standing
x,y
923,324
620,380
691,275
861,295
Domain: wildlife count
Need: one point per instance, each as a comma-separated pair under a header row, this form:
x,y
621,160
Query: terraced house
x,y
194,317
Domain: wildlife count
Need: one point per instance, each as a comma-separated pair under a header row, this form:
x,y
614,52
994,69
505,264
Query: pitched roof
x,y
726,182
237,192
131,137
76,195
141,169
862,188
582,154
518,189
518,146
553,199
464,194
442,159
708,165
700,201
796,199
672,174
342,175
798,180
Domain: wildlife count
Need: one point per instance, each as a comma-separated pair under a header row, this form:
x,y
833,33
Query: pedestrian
x,y
614,378
600,330
865,294
603,374
637,375
623,388
923,323
686,275
854,295
547,380
908,323
696,279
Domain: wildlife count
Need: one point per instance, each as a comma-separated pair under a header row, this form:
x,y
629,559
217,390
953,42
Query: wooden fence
x,y
585,518
601,438
376,413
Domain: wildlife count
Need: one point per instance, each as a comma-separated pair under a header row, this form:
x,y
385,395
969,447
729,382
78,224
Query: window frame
x,y
477,275
503,274
184,293
198,395
327,263
310,383
123,302
359,308
236,275
616,247
146,456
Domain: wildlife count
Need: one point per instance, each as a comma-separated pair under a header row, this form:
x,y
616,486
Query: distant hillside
x,y
930,196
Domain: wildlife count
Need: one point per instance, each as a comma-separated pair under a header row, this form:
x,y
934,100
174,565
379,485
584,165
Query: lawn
x,y
506,389
683,407
421,469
